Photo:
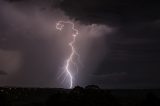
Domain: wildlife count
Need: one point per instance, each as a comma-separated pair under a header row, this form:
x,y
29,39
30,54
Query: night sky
x,y
119,42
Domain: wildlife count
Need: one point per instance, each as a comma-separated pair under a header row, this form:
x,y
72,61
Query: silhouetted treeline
x,y
83,97
91,95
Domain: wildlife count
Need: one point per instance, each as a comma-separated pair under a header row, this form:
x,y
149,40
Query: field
x,y
78,96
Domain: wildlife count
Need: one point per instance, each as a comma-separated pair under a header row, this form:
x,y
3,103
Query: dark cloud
x,y
135,46
114,12
128,57
2,72
134,49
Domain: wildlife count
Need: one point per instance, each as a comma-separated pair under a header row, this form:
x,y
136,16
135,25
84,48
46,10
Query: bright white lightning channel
x,y
70,59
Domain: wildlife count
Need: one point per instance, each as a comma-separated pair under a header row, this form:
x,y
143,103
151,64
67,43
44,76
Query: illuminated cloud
x,y
29,27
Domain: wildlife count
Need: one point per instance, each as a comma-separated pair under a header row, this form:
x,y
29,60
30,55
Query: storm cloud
x,y
29,37
119,42
133,48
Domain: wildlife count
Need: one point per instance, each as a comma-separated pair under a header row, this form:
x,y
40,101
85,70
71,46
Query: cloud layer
x,y
28,28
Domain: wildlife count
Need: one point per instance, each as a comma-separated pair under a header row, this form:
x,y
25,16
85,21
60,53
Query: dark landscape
x,y
89,96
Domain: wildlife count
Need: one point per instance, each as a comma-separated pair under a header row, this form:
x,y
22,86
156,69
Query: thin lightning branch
x,y
70,61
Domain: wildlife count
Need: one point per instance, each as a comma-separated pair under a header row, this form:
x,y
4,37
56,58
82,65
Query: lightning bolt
x,y
70,60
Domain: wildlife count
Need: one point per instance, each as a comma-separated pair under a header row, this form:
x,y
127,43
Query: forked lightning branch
x,y
70,60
